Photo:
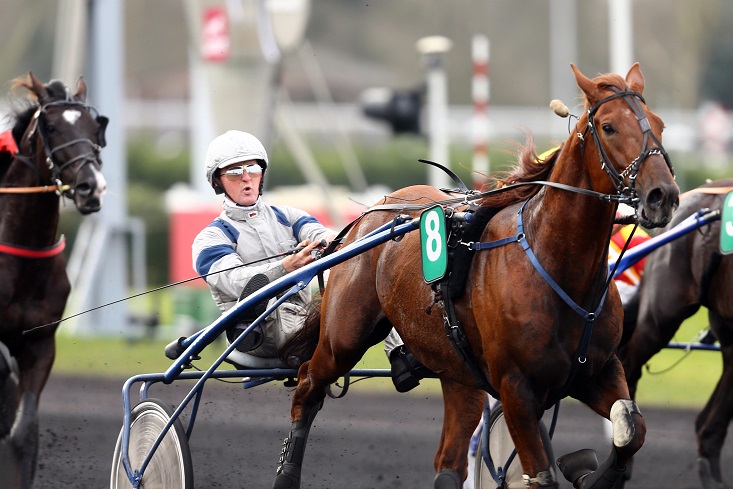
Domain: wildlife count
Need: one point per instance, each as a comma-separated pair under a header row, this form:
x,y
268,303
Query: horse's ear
x,y
635,79
81,90
586,84
101,139
37,87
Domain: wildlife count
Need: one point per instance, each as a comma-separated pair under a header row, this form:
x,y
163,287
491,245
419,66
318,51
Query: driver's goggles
x,y
236,172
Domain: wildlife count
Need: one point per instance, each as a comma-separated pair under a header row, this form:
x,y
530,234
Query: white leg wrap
x,y
623,423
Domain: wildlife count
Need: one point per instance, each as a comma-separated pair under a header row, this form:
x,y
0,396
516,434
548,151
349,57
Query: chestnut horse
x,y
679,277
533,311
58,138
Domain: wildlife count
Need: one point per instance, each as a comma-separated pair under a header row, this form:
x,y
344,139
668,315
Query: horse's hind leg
x,y
314,377
462,408
712,423
607,395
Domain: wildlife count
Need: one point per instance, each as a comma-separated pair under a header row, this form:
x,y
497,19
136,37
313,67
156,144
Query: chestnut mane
x,y
528,169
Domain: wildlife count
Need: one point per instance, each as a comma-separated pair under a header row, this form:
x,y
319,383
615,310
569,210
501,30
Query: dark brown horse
x,y
679,278
530,345
59,138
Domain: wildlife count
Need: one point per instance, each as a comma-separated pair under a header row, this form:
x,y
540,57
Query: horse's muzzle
x,y
89,190
656,207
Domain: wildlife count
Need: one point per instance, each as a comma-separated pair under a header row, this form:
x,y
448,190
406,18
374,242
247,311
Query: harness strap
x,y
612,198
458,339
590,317
522,239
24,252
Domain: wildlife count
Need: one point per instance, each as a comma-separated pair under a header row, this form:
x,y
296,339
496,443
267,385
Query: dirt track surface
x,y
363,441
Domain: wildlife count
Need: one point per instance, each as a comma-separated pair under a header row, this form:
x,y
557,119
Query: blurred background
x,y
346,95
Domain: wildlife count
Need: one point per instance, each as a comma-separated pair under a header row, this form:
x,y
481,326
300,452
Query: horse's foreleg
x,y
462,408
654,330
607,395
9,463
522,415
9,380
34,363
712,423
24,439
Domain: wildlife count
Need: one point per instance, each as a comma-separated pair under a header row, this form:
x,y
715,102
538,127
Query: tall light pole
x,y
621,35
98,265
432,48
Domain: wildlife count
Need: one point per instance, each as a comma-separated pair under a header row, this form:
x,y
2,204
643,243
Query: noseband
x,y
632,169
91,156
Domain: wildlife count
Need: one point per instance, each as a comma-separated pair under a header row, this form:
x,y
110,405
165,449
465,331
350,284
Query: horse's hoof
x,y
605,477
577,464
286,481
447,479
706,475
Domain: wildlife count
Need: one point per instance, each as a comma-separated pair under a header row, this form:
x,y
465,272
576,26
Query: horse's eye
x,y
608,129
50,129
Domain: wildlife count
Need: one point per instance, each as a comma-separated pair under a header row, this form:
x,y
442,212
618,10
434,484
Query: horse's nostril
x,y
655,198
83,189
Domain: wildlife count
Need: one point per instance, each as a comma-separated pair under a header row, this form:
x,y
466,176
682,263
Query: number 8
x,y
433,243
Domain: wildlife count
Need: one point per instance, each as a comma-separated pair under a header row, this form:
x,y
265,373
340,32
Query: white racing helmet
x,y
232,147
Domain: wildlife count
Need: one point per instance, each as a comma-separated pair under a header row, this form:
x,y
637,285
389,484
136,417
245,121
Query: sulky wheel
x,y
501,447
171,466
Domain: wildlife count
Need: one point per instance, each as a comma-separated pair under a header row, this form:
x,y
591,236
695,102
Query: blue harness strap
x,y
589,317
521,238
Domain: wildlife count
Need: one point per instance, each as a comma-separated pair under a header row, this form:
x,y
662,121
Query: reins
x,y
157,289
35,190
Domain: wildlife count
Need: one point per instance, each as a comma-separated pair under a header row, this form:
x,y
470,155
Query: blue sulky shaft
x,y
299,279
695,221
194,344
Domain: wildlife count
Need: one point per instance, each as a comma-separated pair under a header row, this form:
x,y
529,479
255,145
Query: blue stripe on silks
x,y
209,256
227,228
280,215
302,222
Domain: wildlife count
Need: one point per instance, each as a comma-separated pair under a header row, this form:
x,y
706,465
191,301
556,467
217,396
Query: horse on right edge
x,y
679,277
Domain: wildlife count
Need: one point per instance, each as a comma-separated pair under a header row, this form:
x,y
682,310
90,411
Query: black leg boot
x,y
407,371
291,458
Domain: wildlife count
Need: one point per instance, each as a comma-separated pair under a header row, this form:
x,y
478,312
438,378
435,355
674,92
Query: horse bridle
x,y
56,168
634,100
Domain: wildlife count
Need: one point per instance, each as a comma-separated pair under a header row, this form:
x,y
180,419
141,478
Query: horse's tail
x,y
301,346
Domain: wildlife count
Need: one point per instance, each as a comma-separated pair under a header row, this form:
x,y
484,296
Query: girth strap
x,y
458,339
